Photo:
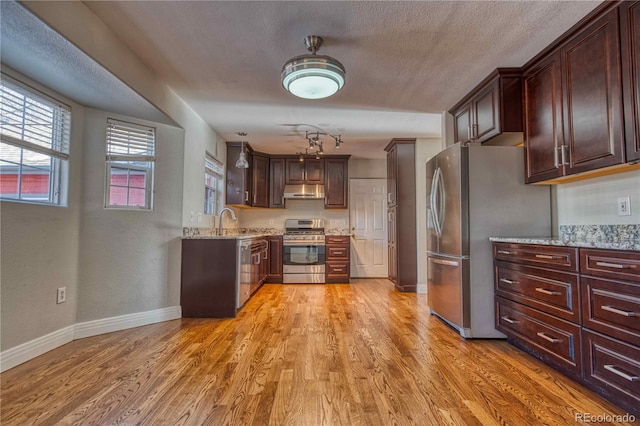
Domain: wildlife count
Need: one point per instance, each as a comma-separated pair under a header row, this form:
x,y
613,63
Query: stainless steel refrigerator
x,y
475,192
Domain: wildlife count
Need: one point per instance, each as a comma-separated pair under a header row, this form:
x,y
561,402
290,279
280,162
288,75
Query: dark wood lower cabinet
x,y
275,259
583,322
338,259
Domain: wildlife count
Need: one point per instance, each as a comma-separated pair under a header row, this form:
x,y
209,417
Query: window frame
x,y
127,161
60,142
216,171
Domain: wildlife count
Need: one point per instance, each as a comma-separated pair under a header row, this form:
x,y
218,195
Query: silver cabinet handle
x,y
469,132
338,252
474,132
246,195
504,280
562,154
509,320
619,311
503,252
613,265
547,292
445,262
388,197
338,269
622,374
556,164
548,338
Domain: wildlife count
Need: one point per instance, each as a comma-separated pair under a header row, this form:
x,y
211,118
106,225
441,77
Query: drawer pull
x,y
622,374
338,270
338,252
547,292
548,338
613,265
509,320
504,252
504,280
546,256
619,311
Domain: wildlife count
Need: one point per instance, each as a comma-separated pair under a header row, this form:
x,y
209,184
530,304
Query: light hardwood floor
x,y
359,354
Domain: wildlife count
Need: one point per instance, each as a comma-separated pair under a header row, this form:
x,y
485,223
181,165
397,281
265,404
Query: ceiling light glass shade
x,y
242,162
313,76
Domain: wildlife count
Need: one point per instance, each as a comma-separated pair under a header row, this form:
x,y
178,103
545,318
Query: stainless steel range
x,y
303,251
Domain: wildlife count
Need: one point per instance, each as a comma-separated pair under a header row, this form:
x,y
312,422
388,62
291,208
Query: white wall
x,y
39,251
425,149
129,260
367,169
594,201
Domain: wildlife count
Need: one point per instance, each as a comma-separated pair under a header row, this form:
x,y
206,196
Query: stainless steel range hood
x,y
304,192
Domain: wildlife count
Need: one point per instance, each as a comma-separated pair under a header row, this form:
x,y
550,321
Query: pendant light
x,y
242,162
312,76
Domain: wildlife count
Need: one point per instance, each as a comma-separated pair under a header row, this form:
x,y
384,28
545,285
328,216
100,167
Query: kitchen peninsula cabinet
x,y
401,213
577,310
573,99
336,183
630,53
493,108
309,171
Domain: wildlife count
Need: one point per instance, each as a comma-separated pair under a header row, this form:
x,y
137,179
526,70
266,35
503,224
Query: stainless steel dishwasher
x,y
243,279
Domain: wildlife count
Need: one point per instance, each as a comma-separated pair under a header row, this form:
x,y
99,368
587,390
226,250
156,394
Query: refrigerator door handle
x,y
441,202
434,209
445,262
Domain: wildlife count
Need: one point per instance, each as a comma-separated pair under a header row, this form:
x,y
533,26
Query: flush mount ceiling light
x,y
242,162
313,76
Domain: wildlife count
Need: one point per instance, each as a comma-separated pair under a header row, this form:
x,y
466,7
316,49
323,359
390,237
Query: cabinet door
x,y
543,121
630,31
392,176
393,248
314,171
486,113
275,259
336,191
593,97
462,124
276,183
237,180
294,171
260,180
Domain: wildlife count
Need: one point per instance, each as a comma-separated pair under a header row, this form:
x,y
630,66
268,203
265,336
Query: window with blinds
x,y
213,172
130,156
34,145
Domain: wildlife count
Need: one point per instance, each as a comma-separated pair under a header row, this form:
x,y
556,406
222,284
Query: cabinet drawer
x,y
338,252
337,272
622,265
612,308
554,340
614,368
552,292
337,239
561,258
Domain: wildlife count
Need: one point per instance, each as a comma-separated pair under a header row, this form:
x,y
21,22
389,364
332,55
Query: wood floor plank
x,y
344,354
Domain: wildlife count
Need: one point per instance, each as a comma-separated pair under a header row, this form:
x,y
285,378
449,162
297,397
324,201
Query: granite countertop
x,y
245,233
586,243
226,237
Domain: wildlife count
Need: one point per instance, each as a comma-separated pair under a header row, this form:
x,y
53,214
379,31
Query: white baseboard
x,y
36,347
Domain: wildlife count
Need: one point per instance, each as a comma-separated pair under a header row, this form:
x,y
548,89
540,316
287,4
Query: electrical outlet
x,y
199,217
624,206
62,295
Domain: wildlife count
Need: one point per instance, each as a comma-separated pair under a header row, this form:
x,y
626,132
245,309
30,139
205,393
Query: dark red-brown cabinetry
x,y
630,53
309,171
336,183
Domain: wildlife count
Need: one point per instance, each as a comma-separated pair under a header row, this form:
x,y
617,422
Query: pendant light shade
x,y
241,162
313,76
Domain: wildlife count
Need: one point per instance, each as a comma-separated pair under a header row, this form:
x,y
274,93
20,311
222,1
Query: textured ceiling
x,y
406,61
37,51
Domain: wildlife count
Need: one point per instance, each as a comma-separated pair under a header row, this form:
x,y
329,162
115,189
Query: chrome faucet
x,y
233,217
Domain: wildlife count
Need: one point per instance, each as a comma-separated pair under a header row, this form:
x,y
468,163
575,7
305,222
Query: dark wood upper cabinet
x,y
543,120
260,180
630,55
392,176
238,181
336,183
309,171
276,183
593,97
491,109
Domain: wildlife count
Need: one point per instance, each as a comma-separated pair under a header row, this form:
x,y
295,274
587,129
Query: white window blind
x,y
130,142
35,134
213,172
130,156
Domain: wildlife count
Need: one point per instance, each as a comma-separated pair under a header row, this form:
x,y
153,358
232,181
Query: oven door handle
x,y
302,244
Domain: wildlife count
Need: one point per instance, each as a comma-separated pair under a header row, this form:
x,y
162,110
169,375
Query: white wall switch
x,y
624,206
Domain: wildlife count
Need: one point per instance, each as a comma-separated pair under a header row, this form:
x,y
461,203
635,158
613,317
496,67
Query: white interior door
x,y
368,214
